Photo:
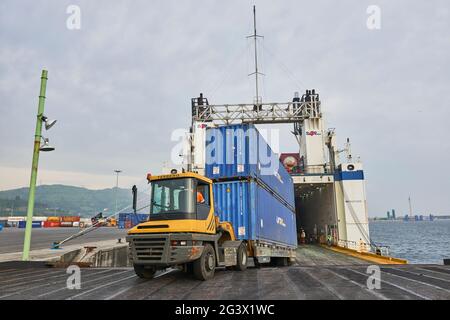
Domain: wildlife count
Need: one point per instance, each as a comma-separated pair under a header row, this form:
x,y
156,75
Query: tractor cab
x,y
179,203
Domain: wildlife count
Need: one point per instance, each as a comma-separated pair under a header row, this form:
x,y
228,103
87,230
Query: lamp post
x,y
117,185
37,147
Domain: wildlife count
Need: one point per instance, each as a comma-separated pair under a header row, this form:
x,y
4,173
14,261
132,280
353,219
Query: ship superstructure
x,y
330,195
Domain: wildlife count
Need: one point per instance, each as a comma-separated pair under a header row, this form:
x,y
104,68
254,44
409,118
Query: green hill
x,y
65,200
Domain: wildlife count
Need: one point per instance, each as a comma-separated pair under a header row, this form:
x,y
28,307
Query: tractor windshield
x,y
173,199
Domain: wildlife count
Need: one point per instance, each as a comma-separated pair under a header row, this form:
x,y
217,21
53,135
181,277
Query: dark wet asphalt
x,y
297,282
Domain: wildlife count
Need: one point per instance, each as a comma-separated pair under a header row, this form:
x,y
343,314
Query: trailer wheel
x,y
242,258
205,266
144,272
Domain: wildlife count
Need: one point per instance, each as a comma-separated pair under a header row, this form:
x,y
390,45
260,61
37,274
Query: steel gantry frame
x,y
263,113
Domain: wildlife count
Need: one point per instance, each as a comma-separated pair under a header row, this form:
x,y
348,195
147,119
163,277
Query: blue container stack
x,y
252,189
240,152
130,219
254,212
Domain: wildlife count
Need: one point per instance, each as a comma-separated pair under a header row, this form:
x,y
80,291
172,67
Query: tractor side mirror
x,y
134,191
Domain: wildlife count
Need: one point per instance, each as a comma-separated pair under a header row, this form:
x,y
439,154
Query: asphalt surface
x,y
297,282
318,274
11,239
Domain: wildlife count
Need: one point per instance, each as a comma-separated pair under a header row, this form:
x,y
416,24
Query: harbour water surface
x,y
415,241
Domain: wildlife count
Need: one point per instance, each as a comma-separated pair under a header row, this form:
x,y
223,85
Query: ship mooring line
x,y
94,226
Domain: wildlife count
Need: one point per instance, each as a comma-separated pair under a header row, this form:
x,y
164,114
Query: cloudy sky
x,y
122,83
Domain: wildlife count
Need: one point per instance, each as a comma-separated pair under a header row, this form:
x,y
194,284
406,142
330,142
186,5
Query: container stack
x,y
129,220
69,221
51,224
249,176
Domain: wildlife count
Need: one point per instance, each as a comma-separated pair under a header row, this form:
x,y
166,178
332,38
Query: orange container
x,y
70,219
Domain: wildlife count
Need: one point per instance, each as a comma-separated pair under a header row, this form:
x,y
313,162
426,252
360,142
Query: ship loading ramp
x,y
315,206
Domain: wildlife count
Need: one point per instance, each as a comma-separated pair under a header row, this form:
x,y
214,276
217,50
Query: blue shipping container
x,y
254,212
35,224
134,218
143,217
139,217
240,151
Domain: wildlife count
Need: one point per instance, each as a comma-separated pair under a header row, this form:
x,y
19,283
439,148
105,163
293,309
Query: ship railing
x,y
361,246
381,250
347,244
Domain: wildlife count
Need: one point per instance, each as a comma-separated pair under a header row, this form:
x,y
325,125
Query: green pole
x,y
34,168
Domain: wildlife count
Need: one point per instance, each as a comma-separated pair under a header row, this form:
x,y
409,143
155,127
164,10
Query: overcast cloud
x,y
123,83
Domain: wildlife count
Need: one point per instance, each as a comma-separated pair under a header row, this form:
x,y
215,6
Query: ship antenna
x,y
256,73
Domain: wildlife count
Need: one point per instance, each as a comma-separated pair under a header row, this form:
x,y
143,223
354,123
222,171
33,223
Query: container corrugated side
x,y
277,223
240,151
254,212
233,203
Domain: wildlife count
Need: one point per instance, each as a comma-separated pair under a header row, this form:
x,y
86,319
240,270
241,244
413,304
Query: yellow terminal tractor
x,y
184,230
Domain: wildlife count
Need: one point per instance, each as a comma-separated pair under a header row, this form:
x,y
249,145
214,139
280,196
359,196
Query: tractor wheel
x,y
205,266
144,272
242,257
